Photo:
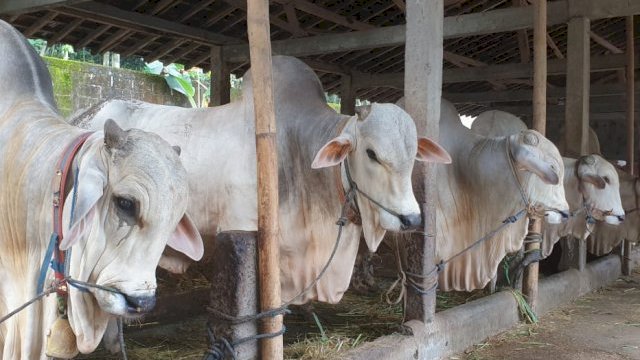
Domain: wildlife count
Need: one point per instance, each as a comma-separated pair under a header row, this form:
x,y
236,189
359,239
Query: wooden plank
x,y
112,40
242,4
220,82
423,91
139,46
104,13
24,6
540,38
578,83
493,72
401,5
630,82
92,36
292,18
554,47
267,162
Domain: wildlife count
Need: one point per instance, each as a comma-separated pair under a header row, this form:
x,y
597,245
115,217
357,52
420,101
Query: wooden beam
x,y
604,43
423,91
523,38
242,4
292,18
578,82
92,36
184,52
501,20
493,72
65,31
139,46
267,164
39,24
485,97
134,21
401,5
112,40
203,4
554,47
24,6
164,50
326,14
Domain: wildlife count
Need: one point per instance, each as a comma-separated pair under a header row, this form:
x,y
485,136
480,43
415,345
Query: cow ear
x,y
429,150
91,182
186,239
114,136
333,152
595,180
529,158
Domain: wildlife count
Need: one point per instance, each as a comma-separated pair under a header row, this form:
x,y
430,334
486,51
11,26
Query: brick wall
x,y
78,86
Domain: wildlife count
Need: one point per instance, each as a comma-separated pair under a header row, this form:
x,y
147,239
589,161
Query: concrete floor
x,y
601,325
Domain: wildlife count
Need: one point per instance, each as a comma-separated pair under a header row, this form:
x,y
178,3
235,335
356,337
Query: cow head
x,y
533,153
600,188
380,145
131,200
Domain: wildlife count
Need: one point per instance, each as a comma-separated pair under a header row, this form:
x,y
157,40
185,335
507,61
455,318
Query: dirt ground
x,y
603,325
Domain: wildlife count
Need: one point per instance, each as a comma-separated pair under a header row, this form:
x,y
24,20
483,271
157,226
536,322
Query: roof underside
x,y
86,24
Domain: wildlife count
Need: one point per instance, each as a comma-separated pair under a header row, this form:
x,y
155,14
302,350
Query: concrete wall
x,y
456,329
79,85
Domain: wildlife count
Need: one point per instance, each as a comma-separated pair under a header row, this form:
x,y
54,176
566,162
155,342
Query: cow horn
x,y
530,139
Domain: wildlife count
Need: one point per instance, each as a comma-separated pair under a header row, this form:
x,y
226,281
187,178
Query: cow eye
x,y
606,179
126,207
372,155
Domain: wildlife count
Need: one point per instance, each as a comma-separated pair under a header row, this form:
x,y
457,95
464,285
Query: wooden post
x,y
530,279
220,82
423,91
626,259
347,96
578,78
630,95
267,166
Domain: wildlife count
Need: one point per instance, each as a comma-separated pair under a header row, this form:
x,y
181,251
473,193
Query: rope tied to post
x,y
219,346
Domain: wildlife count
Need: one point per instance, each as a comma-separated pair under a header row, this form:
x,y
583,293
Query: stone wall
x,y
78,86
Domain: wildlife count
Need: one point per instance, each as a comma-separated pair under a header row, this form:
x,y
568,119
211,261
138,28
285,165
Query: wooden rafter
x,y
65,31
140,45
203,4
292,18
401,5
184,52
605,44
326,14
164,50
92,36
146,24
42,22
554,47
242,4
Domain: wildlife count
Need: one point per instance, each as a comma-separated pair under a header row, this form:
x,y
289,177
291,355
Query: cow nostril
x,y
620,218
411,220
564,214
140,304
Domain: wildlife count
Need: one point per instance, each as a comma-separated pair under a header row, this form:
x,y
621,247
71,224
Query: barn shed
x,y
563,63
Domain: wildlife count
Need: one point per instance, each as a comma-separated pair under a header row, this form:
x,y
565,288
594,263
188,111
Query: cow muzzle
x,y
140,304
410,221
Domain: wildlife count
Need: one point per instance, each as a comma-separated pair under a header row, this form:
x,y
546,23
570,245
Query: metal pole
x,y
267,166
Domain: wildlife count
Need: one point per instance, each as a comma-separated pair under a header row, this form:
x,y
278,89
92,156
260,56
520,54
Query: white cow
x,y
218,144
591,183
131,201
484,186
605,237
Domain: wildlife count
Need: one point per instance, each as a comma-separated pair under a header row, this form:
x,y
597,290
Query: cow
x,y
128,191
605,237
490,181
316,147
591,183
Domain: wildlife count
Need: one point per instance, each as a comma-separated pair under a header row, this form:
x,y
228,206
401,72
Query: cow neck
x,y
353,215
60,189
